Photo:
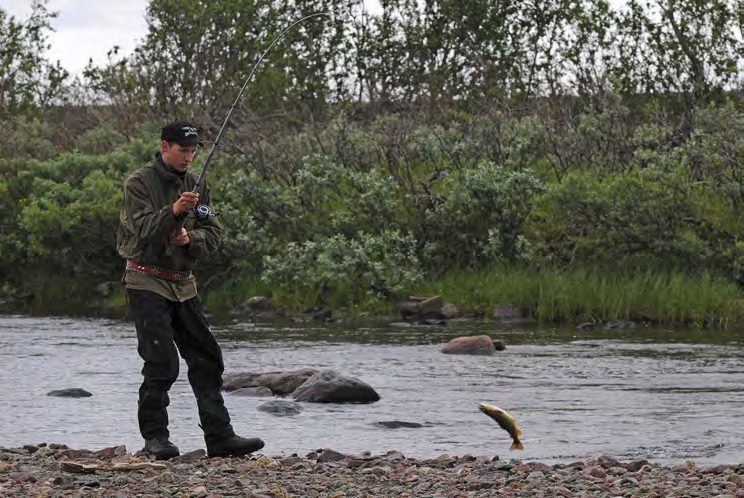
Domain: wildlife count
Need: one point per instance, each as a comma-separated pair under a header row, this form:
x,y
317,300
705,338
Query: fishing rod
x,y
204,210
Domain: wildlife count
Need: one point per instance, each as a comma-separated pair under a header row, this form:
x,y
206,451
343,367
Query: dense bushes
x,y
376,155
334,225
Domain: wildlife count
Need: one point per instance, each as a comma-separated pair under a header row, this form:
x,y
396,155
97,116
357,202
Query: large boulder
x,y
329,387
474,345
280,383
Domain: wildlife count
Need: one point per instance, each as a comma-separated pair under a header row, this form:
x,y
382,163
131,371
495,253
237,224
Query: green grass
x,y
587,295
550,296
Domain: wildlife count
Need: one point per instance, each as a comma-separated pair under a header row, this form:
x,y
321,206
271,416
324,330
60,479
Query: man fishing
x,y
166,225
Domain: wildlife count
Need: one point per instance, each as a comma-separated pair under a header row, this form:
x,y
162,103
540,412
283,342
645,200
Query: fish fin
x,y
516,445
519,433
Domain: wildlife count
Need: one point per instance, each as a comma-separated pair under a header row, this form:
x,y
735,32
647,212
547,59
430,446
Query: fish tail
x,y
516,445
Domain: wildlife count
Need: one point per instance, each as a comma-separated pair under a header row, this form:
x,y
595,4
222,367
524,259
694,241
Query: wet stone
x,y
74,392
339,475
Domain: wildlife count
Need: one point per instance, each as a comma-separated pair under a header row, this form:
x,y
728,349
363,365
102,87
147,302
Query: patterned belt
x,y
176,276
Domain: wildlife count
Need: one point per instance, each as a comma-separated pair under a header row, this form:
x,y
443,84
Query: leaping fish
x,y
505,421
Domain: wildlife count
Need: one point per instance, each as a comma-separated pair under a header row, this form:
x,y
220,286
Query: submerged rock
x,y
281,408
398,424
74,392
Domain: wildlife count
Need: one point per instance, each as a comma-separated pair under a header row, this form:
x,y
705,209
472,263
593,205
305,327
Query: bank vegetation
x,y
577,160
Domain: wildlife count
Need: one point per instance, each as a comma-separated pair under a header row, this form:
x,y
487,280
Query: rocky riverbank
x,y
58,471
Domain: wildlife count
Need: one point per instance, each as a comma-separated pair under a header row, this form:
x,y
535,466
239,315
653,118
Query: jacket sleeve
x,y
205,237
152,229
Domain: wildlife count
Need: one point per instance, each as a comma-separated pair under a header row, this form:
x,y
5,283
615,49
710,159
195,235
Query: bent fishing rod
x,y
237,99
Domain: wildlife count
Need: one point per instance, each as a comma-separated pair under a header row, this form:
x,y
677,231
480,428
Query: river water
x,y
663,395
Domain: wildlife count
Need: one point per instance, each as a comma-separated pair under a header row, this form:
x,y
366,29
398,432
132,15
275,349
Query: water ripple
x,y
657,394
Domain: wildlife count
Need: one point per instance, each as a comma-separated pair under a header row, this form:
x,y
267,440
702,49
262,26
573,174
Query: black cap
x,y
183,133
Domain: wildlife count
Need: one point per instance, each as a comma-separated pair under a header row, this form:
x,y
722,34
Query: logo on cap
x,y
181,132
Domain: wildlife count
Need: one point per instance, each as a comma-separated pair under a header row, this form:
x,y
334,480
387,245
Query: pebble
x,y
34,470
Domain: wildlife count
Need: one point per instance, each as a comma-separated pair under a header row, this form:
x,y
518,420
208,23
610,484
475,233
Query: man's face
x,y
177,156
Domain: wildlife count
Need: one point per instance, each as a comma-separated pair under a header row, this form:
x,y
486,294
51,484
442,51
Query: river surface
x,y
663,395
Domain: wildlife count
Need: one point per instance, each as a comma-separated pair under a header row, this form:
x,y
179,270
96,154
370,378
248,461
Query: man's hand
x,y
180,238
186,202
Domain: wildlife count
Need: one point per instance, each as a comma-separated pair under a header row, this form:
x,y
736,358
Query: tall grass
x,y
550,296
589,295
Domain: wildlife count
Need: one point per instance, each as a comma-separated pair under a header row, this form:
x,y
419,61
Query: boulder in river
x,y
329,387
280,383
473,345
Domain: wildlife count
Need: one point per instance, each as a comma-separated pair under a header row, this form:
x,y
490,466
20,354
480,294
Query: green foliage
x,y
196,56
715,151
347,201
374,152
77,221
254,214
100,140
260,216
383,206
434,54
637,219
363,266
688,47
27,80
479,216
27,138
64,213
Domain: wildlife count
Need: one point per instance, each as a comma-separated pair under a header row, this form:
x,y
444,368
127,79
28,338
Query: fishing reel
x,y
203,212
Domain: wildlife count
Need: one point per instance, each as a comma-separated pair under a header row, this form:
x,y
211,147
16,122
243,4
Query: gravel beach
x,y
58,471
